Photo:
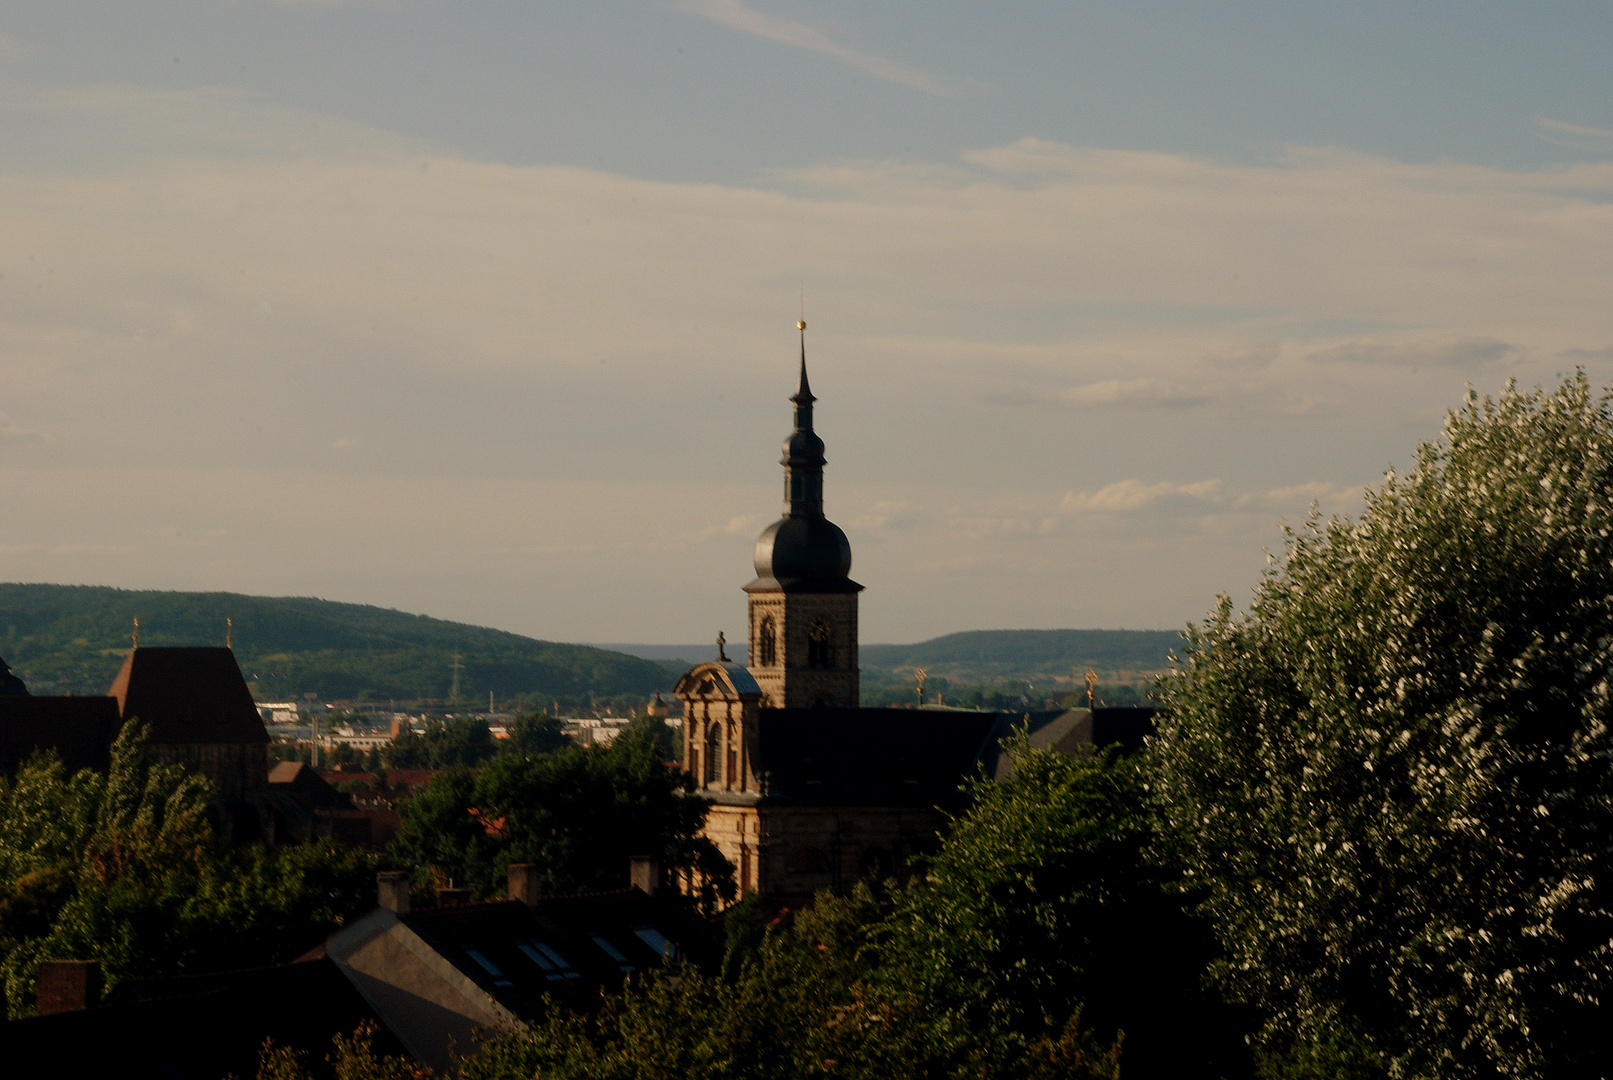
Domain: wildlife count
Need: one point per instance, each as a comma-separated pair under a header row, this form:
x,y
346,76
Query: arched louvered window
x,y
820,645
767,643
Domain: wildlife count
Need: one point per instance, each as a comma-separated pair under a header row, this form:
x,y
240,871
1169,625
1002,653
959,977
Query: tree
x,y
1032,913
1392,776
460,740
579,813
124,868
535,733
1043,906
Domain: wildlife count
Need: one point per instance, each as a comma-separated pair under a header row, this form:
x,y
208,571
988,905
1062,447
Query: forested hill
x,y
983,655
989,654
63,638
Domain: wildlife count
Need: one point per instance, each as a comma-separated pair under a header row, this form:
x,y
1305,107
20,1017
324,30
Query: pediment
x,y
715,681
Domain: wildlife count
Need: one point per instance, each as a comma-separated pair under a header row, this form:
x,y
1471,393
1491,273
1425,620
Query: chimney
x,y
452,897
525,883
645,872
392,891
68,986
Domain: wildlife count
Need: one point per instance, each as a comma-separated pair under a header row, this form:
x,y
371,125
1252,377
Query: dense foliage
x,y
63,638
1040,909
123,868
458,741
579,812
1393,776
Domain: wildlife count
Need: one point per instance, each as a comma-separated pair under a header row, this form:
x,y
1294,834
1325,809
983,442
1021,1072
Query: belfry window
x,y
820,645
714,754
767,642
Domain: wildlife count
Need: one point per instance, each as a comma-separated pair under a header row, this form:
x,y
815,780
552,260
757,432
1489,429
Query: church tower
x,y
803,604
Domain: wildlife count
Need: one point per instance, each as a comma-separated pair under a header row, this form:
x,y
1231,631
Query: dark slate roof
x,y
869,757
198,1028
9,683
567,928
1068,731
79,729
188,695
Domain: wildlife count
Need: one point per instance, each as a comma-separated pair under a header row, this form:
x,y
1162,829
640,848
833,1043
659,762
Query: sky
x,y
486,310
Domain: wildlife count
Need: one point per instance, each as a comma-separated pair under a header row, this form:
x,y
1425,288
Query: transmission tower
x,y
453,691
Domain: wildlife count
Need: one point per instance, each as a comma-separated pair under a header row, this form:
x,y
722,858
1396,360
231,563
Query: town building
x,y
197,711
429,980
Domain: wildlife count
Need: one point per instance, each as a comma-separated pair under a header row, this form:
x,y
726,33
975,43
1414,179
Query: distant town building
x,y
281,712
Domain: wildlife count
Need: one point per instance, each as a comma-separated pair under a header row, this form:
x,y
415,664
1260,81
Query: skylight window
x,y
556,967
656,940
489,967
611,951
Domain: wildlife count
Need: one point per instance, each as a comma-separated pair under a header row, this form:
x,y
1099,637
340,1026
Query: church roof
x,y
869,757
188,695
718,678
803,551
79,729
9,683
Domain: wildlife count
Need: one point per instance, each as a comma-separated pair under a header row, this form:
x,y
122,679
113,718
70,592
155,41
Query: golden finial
x,y
1092,687
229,632
137,631
920,674
800,324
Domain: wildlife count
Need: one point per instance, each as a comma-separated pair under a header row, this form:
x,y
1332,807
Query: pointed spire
x,y
803,392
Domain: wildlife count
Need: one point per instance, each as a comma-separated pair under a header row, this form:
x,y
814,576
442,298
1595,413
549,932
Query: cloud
x,y
1125,393
738,525
1325,495
736,16
1586,356
887,515
1462,352
1134,495
9,431
1574,129
490,330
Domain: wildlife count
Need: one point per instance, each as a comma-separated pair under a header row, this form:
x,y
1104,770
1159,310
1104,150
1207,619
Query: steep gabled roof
x,y
565,947
79,729
188,695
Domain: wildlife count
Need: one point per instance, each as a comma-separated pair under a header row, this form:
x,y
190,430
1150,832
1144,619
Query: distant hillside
x,y
63,638
992,654
982,655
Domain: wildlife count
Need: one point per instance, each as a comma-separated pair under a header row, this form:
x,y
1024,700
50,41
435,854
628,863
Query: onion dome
x,y
803,551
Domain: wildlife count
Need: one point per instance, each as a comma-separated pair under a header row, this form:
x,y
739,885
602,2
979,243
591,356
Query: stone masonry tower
x,y
803,604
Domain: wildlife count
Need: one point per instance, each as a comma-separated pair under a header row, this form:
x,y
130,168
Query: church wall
x,y
791,683
718,746
793,852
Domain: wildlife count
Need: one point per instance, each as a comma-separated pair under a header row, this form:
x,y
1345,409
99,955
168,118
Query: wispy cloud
x,y
1134,494
1460,352
1586,356
798,35
1135,393
1563,128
